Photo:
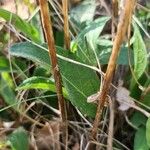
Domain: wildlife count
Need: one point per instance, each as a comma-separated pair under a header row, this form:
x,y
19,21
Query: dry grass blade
x,y
47,25
124,21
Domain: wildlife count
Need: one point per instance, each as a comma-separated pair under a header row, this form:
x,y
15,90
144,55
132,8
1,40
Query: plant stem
x,y
47,25
66,24
114,16
122,27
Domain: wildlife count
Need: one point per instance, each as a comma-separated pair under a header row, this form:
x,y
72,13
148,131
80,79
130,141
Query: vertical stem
x,y
66,24
111,125
47,25
121,31
114,16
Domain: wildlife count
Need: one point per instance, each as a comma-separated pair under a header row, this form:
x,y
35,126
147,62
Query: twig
x,y
66,24
121,31
143,7
66,41
114,16
111,125
47,25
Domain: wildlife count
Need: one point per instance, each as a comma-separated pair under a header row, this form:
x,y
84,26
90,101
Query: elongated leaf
x,y
27,29
148,132
19,139
39,83
140,139
80,82
140,53
86,41
93,26
31,52
93,34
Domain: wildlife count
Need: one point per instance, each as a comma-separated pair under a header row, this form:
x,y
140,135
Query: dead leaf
x,y
93,98
124,99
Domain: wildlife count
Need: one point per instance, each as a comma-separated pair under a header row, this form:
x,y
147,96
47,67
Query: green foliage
x,y
136,121
39,83
84,12
4,65
6,90
29,51
105,52
140,142
82,81
86,40
79,82
19,139
148,132
94,28
140,54
27,29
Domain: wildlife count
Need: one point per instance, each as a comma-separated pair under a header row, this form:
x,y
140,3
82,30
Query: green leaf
x,y
27,29
140,139
84,11
29,51
39,83
80,82
140,53
97,24
136,121
105,52
19,139
148,132
93,34
7,92
146,100
40,71
146,94
4,65
87,40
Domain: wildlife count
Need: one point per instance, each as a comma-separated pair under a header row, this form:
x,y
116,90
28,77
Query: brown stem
x,y
47,25
114,16
121,31
66,24
111,125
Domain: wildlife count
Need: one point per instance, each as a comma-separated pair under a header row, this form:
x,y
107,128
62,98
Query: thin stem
x,y
114,16
121,31
111,125
66,24
47,25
